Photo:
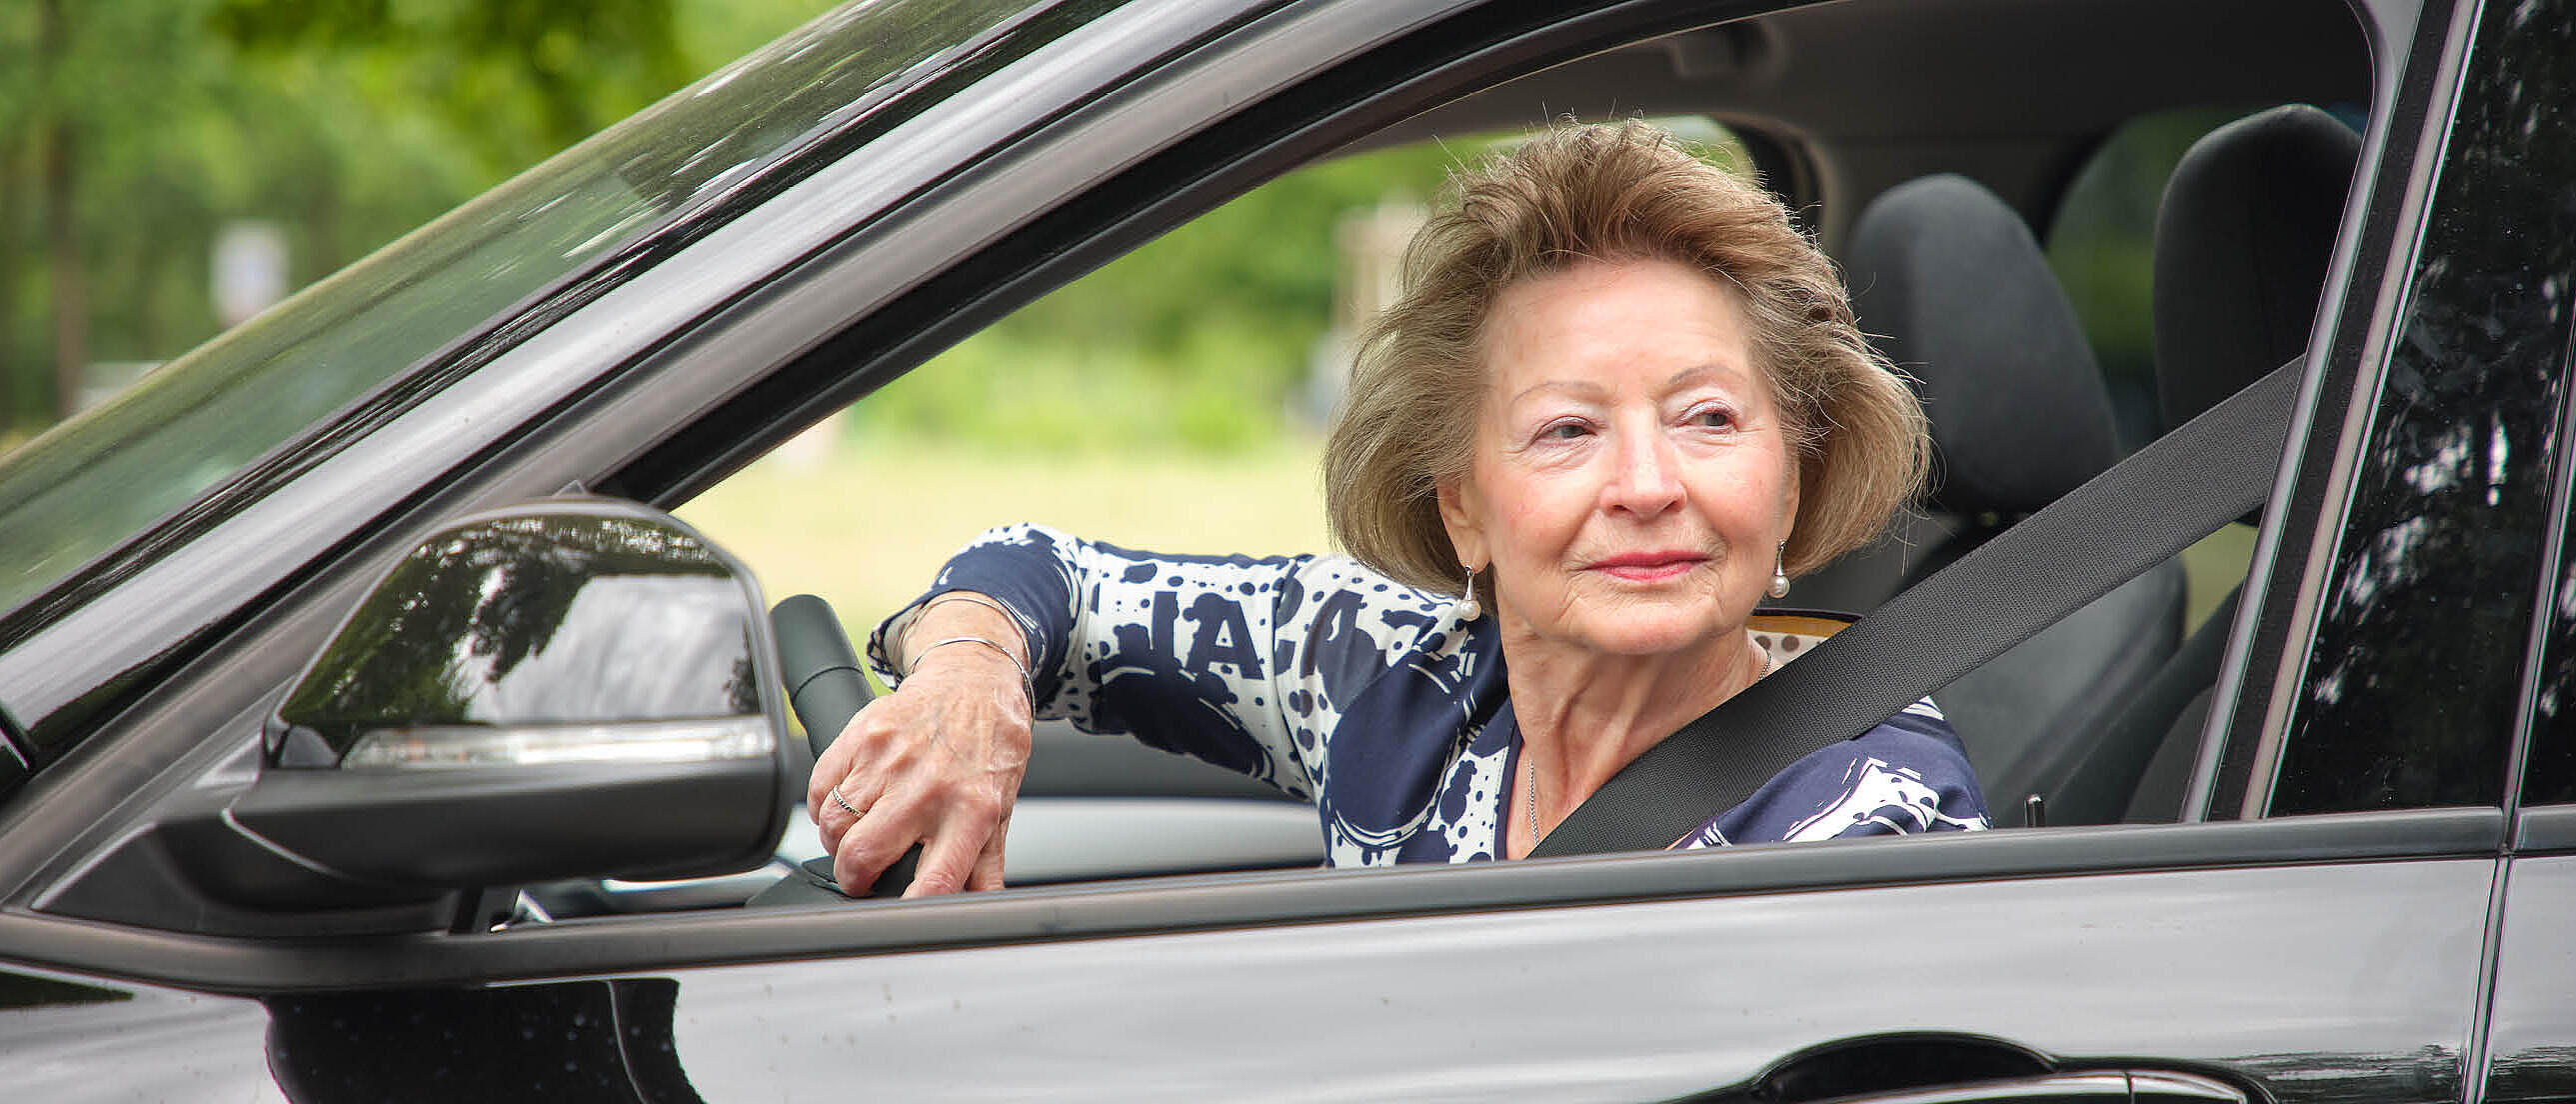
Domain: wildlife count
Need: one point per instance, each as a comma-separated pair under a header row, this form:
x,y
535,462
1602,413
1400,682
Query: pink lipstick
x,y
1649,567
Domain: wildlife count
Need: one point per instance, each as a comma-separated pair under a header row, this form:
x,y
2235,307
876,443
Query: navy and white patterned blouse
x,y
1374,700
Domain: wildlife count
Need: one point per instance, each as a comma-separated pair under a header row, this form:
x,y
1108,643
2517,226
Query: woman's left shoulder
x,y
1909,774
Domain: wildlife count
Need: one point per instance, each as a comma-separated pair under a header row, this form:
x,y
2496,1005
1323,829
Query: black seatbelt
x,y
2211,470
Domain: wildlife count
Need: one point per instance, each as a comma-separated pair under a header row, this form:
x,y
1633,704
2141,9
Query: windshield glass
x,y
209,418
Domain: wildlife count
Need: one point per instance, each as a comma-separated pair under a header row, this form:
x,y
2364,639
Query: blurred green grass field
x,y
866,525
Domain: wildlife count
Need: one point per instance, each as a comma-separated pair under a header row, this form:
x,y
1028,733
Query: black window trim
x,y
2349,350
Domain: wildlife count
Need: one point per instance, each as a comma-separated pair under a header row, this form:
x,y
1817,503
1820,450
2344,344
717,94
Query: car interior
x,y
1936,151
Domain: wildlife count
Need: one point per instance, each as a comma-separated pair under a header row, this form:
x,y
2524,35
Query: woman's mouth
x,y
1649,567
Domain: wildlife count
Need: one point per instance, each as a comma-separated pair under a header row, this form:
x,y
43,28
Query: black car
x,y
2314,847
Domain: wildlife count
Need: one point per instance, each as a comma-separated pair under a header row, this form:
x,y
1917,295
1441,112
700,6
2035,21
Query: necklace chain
x,y
1529,766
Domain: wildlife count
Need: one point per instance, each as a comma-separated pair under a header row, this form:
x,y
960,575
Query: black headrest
x,y
2243,238
1961,296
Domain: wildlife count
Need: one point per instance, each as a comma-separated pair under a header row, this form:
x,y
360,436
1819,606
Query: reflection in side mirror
x,y
571,688
587,631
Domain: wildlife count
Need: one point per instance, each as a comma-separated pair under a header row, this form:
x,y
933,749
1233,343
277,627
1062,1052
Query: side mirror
x,y
572,688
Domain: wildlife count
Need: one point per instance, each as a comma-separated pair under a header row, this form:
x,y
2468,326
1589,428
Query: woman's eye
x,y
1712,417
1563,431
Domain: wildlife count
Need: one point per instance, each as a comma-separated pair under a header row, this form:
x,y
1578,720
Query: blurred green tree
x,y
132,131
514,81
79,206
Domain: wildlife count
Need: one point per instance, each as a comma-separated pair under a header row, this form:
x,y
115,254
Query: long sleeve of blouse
x,y
1374,700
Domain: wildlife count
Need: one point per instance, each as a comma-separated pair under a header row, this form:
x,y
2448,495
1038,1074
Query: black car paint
x,y
2245,949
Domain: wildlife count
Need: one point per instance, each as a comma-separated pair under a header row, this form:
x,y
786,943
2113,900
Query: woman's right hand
x,y
936,762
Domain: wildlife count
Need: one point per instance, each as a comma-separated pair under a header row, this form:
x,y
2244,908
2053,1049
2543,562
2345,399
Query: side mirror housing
x,y
573,688
582,687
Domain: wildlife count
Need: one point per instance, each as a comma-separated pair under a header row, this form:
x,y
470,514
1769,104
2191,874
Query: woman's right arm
x,y
1201,655
1186,653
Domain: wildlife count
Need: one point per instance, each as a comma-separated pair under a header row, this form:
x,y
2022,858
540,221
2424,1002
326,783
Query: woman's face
x,y
1631,478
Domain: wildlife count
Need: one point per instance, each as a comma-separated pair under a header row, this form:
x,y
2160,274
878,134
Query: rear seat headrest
x,y
2243,238
1961,296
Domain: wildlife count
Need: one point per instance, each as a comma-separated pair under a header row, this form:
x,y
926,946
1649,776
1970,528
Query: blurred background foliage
x,y
1200,341
133,131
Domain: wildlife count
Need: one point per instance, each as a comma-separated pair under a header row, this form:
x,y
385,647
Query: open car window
x,y
1161,403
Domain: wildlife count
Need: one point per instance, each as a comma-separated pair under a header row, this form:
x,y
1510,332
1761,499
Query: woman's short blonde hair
x,y
1619,191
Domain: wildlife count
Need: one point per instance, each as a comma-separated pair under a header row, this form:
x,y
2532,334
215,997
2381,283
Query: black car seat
x,y
1962,297
2244,237
1949,284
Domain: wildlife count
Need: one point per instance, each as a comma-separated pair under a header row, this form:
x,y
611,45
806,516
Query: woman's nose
x,y
1646,481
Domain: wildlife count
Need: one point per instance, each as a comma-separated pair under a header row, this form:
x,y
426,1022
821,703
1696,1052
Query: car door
x,y
2299,953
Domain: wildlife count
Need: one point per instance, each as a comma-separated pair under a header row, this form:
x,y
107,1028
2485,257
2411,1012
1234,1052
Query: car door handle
x,y
2086,1087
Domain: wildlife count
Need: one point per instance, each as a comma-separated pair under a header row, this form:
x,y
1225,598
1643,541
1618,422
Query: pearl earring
x,y
1471,609
1780,571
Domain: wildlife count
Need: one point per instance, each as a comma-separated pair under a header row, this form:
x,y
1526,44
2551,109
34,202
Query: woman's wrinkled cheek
x,y
1528,527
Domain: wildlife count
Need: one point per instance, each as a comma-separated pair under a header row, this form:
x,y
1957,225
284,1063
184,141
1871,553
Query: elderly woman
x,y
1621,400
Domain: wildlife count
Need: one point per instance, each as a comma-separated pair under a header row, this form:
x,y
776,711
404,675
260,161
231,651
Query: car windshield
x,y
253,396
